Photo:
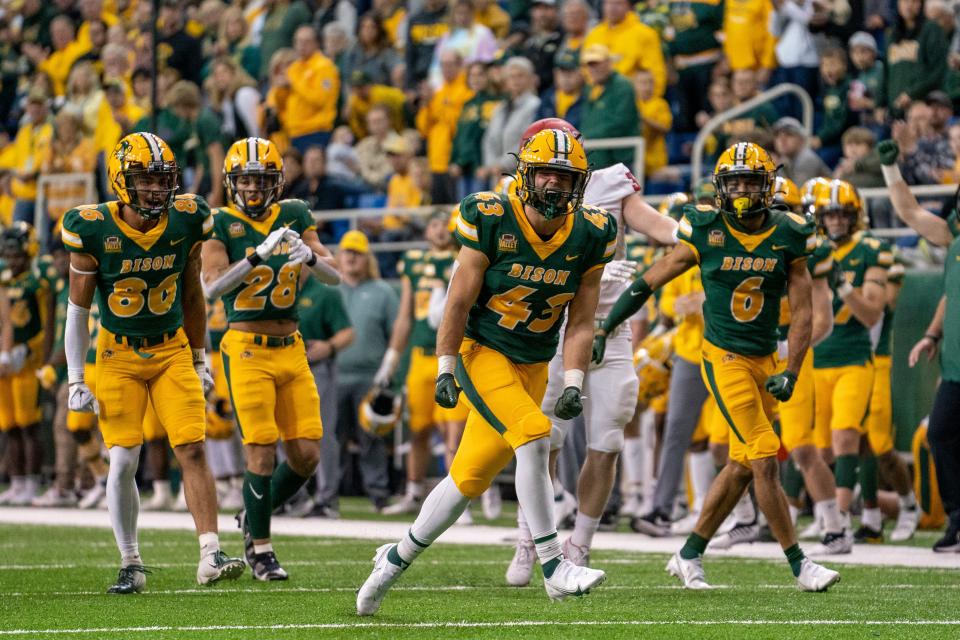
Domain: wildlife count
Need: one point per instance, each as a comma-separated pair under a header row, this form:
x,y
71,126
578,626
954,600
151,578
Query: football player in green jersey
x,y
141,256
749,255
843,369
525,260
254,260
20,389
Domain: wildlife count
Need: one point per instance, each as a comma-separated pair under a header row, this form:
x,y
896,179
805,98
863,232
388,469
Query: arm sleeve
x,y
76,338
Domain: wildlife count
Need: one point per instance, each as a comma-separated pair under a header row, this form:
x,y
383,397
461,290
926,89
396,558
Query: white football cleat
x,y
218,566
811,531
181,502
10,493
159,501
834,544
491,502
53,497
569,579
375,587
685,525
742,533
907,521
406,504
632,506
521,567
466,518
690,572
93,496
576,554
564,506
814,577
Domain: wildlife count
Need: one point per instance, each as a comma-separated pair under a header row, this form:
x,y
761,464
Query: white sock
x,y
632,457
31,484
123,501
743,510
533,492
583,529
794,512
161,490
523,529
17,483
702,473
872,518
440,509
209,543
907,502
415,489
828,516
262,548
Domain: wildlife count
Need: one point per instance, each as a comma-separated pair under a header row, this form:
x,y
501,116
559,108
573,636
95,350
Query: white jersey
x,y
607,189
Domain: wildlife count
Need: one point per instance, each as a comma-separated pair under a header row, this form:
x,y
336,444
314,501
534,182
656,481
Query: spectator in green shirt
x,y
467,153
281,19
610,110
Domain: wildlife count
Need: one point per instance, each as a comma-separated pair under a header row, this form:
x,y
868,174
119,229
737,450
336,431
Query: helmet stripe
x,y
835,192
154,147
740,156
252,151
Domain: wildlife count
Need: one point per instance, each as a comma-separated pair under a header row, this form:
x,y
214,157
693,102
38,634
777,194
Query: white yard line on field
x,y
875,555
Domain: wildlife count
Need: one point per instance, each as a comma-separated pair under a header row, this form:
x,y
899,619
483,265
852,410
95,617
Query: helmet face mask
x,y
144,174
744,178
838,223
253,176
552,173
838,210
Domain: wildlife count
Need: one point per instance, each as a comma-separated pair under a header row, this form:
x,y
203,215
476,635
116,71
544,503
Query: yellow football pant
x,y
736,382
128,379
504,401
424,412
20,392
272,390
218,426
842,399
85,421
797,414
880,420
711,426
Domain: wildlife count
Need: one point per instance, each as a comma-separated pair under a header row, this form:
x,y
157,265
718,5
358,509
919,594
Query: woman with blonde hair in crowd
x,y
70,151
275,105
233,40
84,95
233,94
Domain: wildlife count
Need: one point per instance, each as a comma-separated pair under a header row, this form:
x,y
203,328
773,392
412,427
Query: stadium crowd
x,y
391,104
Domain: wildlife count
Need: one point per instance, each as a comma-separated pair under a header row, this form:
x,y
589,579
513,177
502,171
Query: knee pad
x,y
471,485
535,425
557,435
610,440
82,437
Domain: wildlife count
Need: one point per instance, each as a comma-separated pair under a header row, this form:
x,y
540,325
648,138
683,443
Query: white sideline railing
x,y
60,191
714,123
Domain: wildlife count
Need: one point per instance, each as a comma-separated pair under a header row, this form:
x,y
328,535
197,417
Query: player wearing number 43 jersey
x,y
142,257
525,259
254,260
749,255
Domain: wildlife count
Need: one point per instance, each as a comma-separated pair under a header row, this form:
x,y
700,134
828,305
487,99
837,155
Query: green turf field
x,y
52,581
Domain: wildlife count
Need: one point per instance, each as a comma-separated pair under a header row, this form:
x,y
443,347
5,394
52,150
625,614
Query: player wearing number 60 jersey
x,y
749,255
253,260
142,257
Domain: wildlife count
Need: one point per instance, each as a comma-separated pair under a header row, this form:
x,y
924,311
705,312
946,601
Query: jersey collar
x,y
750,241
144,240
264,225
843,251
543,248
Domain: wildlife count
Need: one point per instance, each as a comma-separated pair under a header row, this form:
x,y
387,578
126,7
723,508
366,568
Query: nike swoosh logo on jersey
x,y
569,258
174,243
855,262
779,247
255,494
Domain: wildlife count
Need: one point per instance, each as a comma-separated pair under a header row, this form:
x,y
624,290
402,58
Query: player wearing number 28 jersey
x,y
525,260
142,257
253,260
749,255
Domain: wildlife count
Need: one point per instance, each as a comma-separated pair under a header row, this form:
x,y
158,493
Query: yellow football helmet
x,y
672,205
839,195
652,364
786,194
379,411
555,151
809,191
144,162
745,160
19,239
260,162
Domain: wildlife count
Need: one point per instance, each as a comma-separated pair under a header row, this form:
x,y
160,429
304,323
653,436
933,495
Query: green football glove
x,y
569,405
599,346
447,392
780,385
836,277
888,150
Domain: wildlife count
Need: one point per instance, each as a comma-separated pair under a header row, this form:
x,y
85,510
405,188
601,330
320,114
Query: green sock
x,y
792,480
795,557
693,547
284,483
869,478
394,557
550,566
256,500
846,470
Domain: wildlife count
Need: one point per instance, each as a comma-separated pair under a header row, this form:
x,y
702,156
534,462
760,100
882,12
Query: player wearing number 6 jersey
x,y
142,257
749,255
525,259
253,260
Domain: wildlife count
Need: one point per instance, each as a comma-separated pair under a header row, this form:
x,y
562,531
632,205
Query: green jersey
x,y
819,264
695,25
322,313
950,348
744,274
425,270
895,275
139,274
269,291
849,343
529,281
27,294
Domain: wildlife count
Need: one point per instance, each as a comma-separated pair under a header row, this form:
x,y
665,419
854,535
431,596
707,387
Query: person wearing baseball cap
x,y
566,98
611,106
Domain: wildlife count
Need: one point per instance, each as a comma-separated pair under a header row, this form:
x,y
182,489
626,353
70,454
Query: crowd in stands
x,y
389,103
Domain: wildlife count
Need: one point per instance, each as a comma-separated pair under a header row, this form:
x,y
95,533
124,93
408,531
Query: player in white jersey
x,y
610,388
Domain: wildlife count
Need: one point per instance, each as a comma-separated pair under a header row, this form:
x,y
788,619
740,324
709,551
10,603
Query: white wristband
x,y
891,174
199,356
390,358
573,378
446,364
4,358
844,290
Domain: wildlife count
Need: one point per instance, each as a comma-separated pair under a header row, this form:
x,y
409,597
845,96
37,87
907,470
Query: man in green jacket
x,y
610,110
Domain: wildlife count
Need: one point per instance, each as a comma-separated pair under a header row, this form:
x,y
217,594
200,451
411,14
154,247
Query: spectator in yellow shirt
x,y
116,117
22,158
747,45
363,95
92,11
56,64
656,120
314,84
275,105
633,44
491,15
437,122
70,151
575,20
402,191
